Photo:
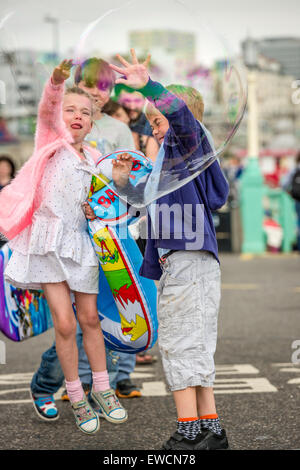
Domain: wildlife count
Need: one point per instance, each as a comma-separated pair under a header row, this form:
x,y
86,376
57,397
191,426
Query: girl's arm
x,y
50,124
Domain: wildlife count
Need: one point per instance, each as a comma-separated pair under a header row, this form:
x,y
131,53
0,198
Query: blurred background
x,y
191,42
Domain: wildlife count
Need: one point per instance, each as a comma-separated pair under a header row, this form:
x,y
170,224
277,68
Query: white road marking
x,y
19,378
14,390
251,385
57,395
239,286
287,367
235,369
294,381
141,375
154,389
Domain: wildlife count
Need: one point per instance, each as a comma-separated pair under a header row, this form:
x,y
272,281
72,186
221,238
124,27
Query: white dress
x,y
57,246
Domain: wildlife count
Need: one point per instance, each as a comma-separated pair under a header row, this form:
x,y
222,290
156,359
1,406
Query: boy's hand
x,y
61,72
136,74
88,211
121,169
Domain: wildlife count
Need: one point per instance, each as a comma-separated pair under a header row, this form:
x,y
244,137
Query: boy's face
x,y
100,96
159,125
133,102
77,115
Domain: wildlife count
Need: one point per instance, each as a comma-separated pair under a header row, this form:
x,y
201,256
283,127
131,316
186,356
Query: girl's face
x,y
77,115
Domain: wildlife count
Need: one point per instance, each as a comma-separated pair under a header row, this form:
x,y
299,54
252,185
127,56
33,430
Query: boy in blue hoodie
x,y
182,255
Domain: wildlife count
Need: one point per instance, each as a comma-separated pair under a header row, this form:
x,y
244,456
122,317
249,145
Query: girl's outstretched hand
x,y
121,169
61,72
136,74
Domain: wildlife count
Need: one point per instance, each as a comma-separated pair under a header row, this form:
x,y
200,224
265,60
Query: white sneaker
x,y
86,419
110,406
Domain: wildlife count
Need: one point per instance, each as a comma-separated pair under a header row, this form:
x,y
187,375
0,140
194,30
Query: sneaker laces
x,y
46,402
112,401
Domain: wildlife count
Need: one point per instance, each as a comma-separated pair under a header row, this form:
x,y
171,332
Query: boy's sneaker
x,y
65,396
205,440
126,389
110,407
45,407
178,442
86,419
212,441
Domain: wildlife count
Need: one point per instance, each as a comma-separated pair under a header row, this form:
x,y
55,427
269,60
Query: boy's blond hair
x,y
192,98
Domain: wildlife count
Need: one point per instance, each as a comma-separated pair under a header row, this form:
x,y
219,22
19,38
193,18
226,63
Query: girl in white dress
x,y
54,251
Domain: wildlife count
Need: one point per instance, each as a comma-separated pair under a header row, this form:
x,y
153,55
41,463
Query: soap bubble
x,y
171,32
186,50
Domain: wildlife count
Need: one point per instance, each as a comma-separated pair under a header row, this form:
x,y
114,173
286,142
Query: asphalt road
x,y
257,384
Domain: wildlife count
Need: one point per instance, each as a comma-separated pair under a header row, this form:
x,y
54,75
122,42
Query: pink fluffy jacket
x,y
17,199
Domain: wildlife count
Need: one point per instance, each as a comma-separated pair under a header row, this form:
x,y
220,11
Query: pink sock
x,y
75,390
100,381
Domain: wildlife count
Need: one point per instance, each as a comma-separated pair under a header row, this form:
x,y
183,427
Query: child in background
x,y
7,170
133,103
52,250
96,78
189,277
115,110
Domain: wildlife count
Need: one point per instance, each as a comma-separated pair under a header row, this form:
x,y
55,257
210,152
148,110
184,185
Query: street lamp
x,y
55,33
250,59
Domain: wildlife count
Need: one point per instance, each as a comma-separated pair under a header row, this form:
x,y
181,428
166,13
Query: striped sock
x,y
211,422
189,427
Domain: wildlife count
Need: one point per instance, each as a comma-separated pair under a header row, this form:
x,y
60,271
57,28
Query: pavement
x,y
257,386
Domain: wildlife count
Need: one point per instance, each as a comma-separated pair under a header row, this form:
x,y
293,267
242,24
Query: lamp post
x,y
55,34
252,180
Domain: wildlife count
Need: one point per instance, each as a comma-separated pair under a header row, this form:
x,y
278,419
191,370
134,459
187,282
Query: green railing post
x,y
282,207
252,211
288,221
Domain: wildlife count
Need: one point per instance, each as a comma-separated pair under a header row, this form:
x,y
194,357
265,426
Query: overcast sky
x,y
219,24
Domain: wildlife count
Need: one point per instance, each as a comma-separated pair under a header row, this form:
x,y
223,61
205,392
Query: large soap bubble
x,y
186,50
